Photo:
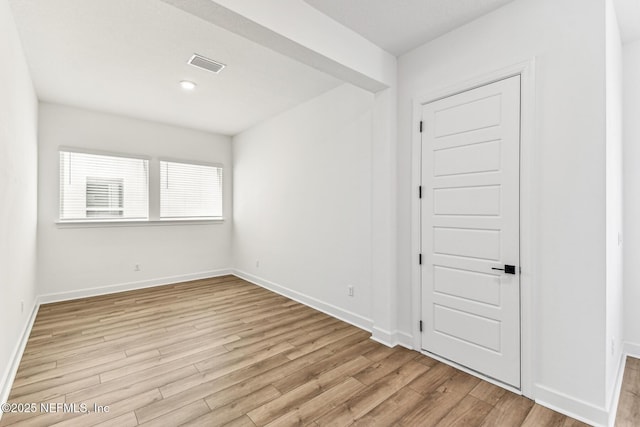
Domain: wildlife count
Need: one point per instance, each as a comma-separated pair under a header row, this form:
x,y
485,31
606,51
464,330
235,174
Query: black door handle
x,y
508,269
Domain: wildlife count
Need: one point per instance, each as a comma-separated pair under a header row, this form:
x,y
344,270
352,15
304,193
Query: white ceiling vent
x,y
206,63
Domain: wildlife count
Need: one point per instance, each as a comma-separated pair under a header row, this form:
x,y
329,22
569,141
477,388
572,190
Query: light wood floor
x,y
629,404
223,351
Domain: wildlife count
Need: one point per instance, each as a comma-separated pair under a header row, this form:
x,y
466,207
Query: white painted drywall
x,y
18,194
383,218
296,29
302,201
73,259
567,40
631,167
614,290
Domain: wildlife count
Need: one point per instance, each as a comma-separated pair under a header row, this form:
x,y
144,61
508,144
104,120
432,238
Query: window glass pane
x,y
190,191
103,187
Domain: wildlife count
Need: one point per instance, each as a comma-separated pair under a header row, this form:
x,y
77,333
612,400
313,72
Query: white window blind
x,y
96,186
190,191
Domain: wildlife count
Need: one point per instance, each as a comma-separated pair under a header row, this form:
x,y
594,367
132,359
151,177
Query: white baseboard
x,y
337,312
405,340
130,286
383,337
14,362
571,407
392,339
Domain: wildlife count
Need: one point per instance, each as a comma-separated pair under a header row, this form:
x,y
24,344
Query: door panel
x,y
471,285
461,242
470,224
461,325
465,117
483,201
464,159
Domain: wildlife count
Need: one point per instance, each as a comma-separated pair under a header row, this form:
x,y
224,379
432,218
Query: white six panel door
x,y
470,225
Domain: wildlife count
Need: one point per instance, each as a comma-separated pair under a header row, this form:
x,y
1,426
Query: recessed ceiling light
x,y
187,85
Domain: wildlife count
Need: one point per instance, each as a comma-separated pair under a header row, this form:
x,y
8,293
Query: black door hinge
x,y
420,324
420,259
420,126
420,191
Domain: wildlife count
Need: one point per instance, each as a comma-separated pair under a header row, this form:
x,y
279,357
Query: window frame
x,y
153,195
195,163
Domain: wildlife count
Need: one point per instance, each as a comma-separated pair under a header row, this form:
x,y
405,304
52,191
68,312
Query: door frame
x,y
528,199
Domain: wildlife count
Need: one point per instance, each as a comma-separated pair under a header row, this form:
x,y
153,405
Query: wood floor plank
x,y
255,375
172,360
36,369
629,404
126,420
314,408
321,341
460,383
221,415
633,363
151,379
223,351
180,416
511,409
391,410
58,392
471,411
311,372
222,382
306,391
243,421
116,409
488,392
628,409
244,381
386,366
434,407
242,358
432,379
541,416
373,395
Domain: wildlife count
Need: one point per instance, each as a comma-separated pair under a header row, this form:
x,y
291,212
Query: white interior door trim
x,y
528,199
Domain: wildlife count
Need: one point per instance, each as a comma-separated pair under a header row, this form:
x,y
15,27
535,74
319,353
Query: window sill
x,y
136,223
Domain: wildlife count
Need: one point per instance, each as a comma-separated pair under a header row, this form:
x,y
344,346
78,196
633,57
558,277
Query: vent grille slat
x,y
206,63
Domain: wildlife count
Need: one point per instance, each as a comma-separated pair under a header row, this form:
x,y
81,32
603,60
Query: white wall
x,y
614,290
302,202
631,167
18,195
566,37
74,259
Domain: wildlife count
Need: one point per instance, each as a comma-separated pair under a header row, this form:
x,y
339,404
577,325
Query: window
x,y
105,197
190,191
94,187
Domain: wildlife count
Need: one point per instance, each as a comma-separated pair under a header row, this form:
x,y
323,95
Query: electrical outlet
x,y
136,267
350,290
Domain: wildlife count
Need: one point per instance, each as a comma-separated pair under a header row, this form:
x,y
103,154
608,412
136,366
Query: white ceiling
x,y
127,57
399,26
